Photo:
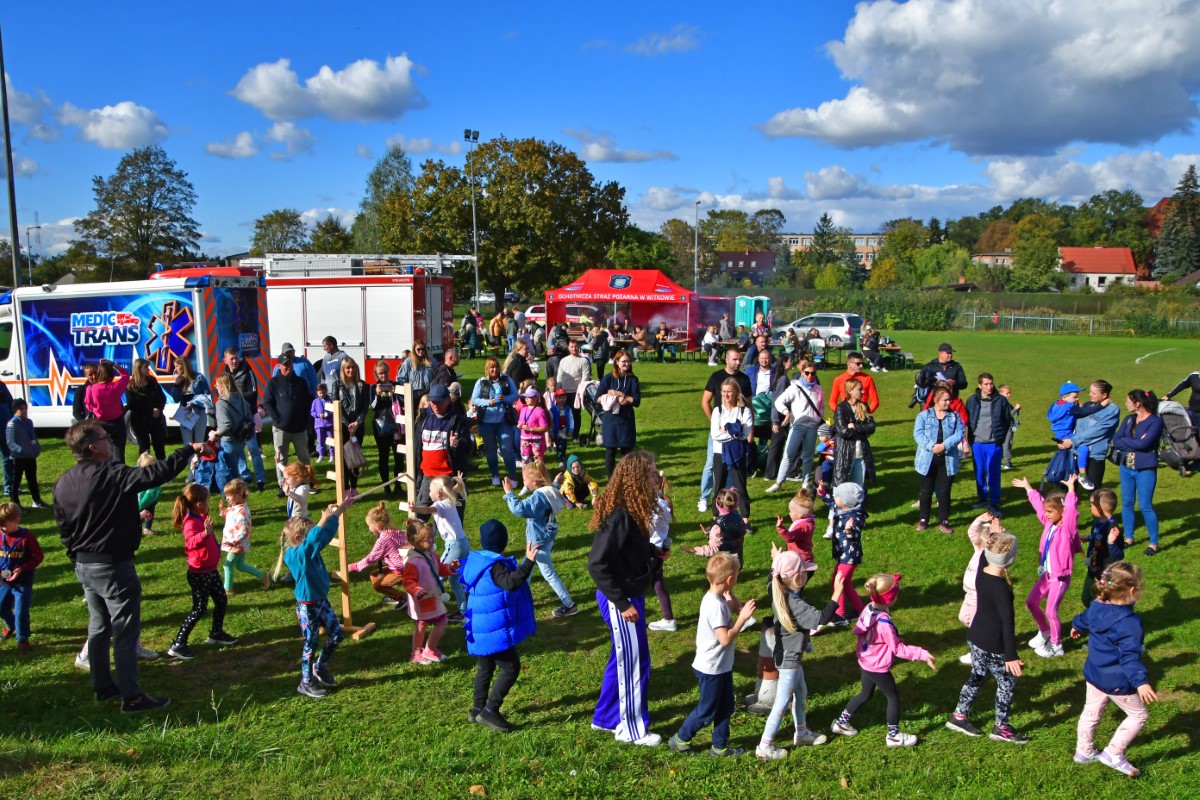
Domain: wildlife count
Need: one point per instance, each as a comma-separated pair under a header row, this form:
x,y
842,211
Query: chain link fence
x,y
1069,324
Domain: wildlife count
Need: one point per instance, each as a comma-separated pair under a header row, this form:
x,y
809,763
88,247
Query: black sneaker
x,y
111,693
262,485
962,725
726,751
472,715
494,720
220,638
181,651
309,689
324,676
144,702
565,611
455,617
1006,733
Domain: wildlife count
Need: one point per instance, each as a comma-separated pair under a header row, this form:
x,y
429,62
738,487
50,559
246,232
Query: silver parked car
x,y
835,328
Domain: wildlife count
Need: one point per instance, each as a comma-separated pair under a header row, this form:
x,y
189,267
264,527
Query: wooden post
x,y
337,475
408,424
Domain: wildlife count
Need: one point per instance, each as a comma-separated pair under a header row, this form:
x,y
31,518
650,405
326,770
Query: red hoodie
x,y
199,543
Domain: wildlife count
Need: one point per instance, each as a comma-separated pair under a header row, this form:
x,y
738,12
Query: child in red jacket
x,y
20,555
203,575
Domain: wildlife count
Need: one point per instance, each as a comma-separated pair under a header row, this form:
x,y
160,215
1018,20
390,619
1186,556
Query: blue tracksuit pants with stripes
x,y
623,707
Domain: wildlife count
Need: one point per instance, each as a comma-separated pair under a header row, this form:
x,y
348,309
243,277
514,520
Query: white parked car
x,y
537,313
835,328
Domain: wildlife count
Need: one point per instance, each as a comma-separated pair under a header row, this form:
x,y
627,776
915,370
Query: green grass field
x,y
236,727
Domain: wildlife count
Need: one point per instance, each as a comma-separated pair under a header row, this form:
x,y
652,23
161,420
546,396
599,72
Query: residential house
x,y
752,265
1097,267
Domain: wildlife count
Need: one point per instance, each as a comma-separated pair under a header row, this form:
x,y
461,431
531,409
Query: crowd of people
x,y
767,411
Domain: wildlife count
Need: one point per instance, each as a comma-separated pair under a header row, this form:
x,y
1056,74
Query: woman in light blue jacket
x,y
494,393
938,432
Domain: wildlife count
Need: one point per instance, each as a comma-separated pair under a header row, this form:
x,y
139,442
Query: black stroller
x,y
592,406
1180,443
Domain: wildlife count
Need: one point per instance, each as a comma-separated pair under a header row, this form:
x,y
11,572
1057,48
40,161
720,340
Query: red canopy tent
x,y
645,297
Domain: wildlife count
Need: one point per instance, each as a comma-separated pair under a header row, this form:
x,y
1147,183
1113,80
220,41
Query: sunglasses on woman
x,y
808,373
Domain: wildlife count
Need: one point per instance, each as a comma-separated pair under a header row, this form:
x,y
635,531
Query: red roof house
x,y
1098,267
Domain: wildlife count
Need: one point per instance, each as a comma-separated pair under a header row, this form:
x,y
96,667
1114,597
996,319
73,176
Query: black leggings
x,y
509,662
936,479
150,432
386,445
886,684
736,478
204,585
119,432
610,457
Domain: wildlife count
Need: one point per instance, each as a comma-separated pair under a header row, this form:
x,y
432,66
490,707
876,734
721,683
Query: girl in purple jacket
x,y
1056,560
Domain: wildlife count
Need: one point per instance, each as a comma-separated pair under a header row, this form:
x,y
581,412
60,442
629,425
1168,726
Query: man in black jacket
x,y
96,510
942,368
444,373
288,401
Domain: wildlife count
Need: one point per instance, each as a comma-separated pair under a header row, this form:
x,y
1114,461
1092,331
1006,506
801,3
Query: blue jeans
x,y
801,443
228,456
498,433
14,607
256,457
114,599
987,472
715,706
457,551
1138,485
790,681
546,567
706,477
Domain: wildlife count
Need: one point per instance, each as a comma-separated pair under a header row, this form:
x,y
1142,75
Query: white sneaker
x,y
807,738
750,623
663,625
883,369
1085,483
1038,640
901,740
965,658
804,484
874,369
495,481
828,532
702,506
774,487
146,654
769,752
649,740
1049,650
843,728
81,662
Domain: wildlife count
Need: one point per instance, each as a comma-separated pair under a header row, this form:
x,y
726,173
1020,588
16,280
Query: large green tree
x,y
279,231
1035,254
680,237
391,175
639,249
905,239
543,218
1113,219
143,214
331,236
1177,251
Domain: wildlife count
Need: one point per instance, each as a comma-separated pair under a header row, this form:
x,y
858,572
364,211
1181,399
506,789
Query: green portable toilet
x,y
746,307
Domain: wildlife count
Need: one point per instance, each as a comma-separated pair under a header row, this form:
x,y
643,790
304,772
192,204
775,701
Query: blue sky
x,y
869,112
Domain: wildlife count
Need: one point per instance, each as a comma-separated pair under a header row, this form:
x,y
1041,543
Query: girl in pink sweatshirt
x,y
1056,560
190,516
878,646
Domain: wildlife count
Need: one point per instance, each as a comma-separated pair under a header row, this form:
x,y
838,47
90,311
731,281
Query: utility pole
x,y
13,227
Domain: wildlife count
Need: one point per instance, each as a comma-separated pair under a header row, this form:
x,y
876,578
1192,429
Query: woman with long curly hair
x,y
620,564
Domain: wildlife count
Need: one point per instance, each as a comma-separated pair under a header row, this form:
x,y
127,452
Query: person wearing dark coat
x,y
852,422
942,368
618,426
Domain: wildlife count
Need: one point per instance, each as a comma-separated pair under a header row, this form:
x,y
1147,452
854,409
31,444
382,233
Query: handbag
x,y
1115,456
510,415
352,456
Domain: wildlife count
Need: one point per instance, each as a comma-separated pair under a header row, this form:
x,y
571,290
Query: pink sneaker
x,y
419,658
432,656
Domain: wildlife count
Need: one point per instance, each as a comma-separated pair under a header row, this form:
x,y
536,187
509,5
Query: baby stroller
x,y
592,406
1180,443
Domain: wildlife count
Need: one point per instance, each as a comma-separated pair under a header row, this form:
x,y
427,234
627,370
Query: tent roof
x,y
620,286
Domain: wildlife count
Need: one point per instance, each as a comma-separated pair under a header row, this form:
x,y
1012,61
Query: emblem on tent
x,y
620,281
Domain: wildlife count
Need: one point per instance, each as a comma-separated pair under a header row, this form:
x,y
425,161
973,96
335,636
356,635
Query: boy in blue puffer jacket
x,y
499,616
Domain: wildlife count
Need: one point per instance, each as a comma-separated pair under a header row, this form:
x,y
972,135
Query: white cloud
x,y
452,149
242,146
364,151
413,145
1009,78
836,182
121,127
601,148
23,166
365,91
679,39
56,236
661,198
44,133
1062,179
314,215
25,108
294,139
207,237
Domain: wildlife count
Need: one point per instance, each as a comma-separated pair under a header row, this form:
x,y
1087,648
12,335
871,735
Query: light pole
x,y
12,186
472,137
696,249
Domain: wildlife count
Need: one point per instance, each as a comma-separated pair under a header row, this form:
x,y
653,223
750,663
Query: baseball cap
x,y
531,392
789,562
1068,387
945,347
285,358
438,393
288,347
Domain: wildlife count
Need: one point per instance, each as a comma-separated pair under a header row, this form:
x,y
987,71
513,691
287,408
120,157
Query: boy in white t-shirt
x,y
715,637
